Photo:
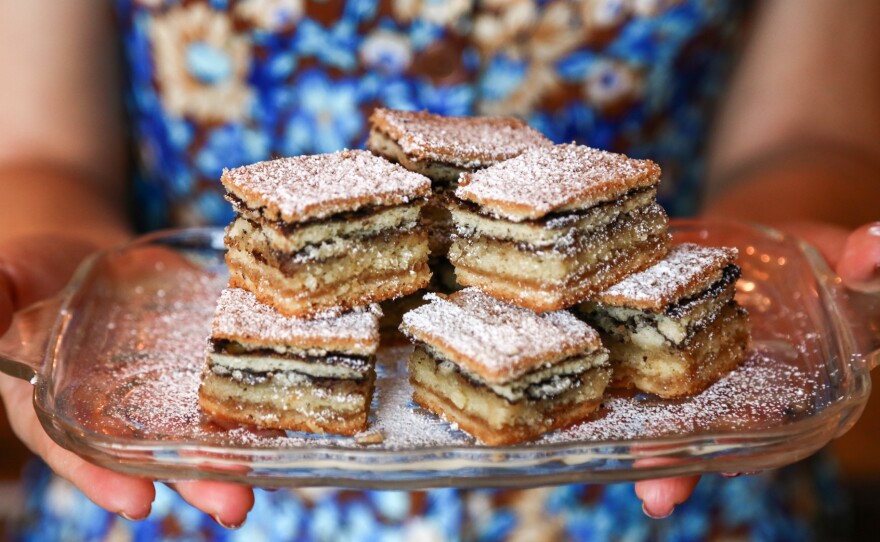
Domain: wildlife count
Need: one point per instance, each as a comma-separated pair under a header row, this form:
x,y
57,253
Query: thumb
x,y
659,497
859,264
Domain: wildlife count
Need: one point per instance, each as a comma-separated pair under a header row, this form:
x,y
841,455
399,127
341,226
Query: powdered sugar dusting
x,y
761,393
467,142
550,179
128,366
240,316
496,340
141,382
669,279
301,188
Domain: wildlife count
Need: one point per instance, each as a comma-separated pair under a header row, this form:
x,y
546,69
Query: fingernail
x,y
657,516
731,474
131,518
225,526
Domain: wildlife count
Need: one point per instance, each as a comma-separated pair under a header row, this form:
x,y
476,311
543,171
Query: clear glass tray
x,y
115,362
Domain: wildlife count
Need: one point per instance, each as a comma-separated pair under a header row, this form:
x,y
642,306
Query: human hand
x,y
660,497
34,268
853,255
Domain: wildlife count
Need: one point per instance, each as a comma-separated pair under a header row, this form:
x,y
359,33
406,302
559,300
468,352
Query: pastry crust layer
x,y
463,142
268,405
552,295
273,288
240,318
685,271
494,340
302,188
554,179
494,420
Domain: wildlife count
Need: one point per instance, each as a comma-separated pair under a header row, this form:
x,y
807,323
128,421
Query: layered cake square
x,y
503,373
553,226
326,232
675,328
441,148
277,372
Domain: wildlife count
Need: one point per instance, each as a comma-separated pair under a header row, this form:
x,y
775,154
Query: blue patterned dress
x,y
220,83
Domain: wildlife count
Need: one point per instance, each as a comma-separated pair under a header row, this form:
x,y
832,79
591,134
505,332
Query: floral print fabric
x,y
221,83
797,504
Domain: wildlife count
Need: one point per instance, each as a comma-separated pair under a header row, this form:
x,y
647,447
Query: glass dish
x,y
115,362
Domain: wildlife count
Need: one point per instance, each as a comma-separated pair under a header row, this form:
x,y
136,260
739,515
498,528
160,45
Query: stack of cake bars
x,y
317,240
326,232
534,229
531,229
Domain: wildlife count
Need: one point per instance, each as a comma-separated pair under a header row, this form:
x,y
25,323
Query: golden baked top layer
x,y
685,271
241,318
553,179
466,142
303,188
494,340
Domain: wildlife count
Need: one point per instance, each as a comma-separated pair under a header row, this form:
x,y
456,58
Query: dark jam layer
x,y
554,220
291,263
729,275
288,227
360,364
533,392
260,377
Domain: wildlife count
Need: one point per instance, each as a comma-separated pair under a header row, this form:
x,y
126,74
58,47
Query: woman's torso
x,y
216,83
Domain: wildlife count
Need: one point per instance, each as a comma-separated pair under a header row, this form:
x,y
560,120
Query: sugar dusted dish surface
x,y
121,387
164,403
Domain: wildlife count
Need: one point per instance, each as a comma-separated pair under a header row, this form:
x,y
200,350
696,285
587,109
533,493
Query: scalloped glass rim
x,y
462,466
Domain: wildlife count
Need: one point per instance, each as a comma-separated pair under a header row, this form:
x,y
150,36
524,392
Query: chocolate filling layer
x,y
645,218
545,389
288,228
359,364
291,263
729,275
633,323
258,377
554,220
